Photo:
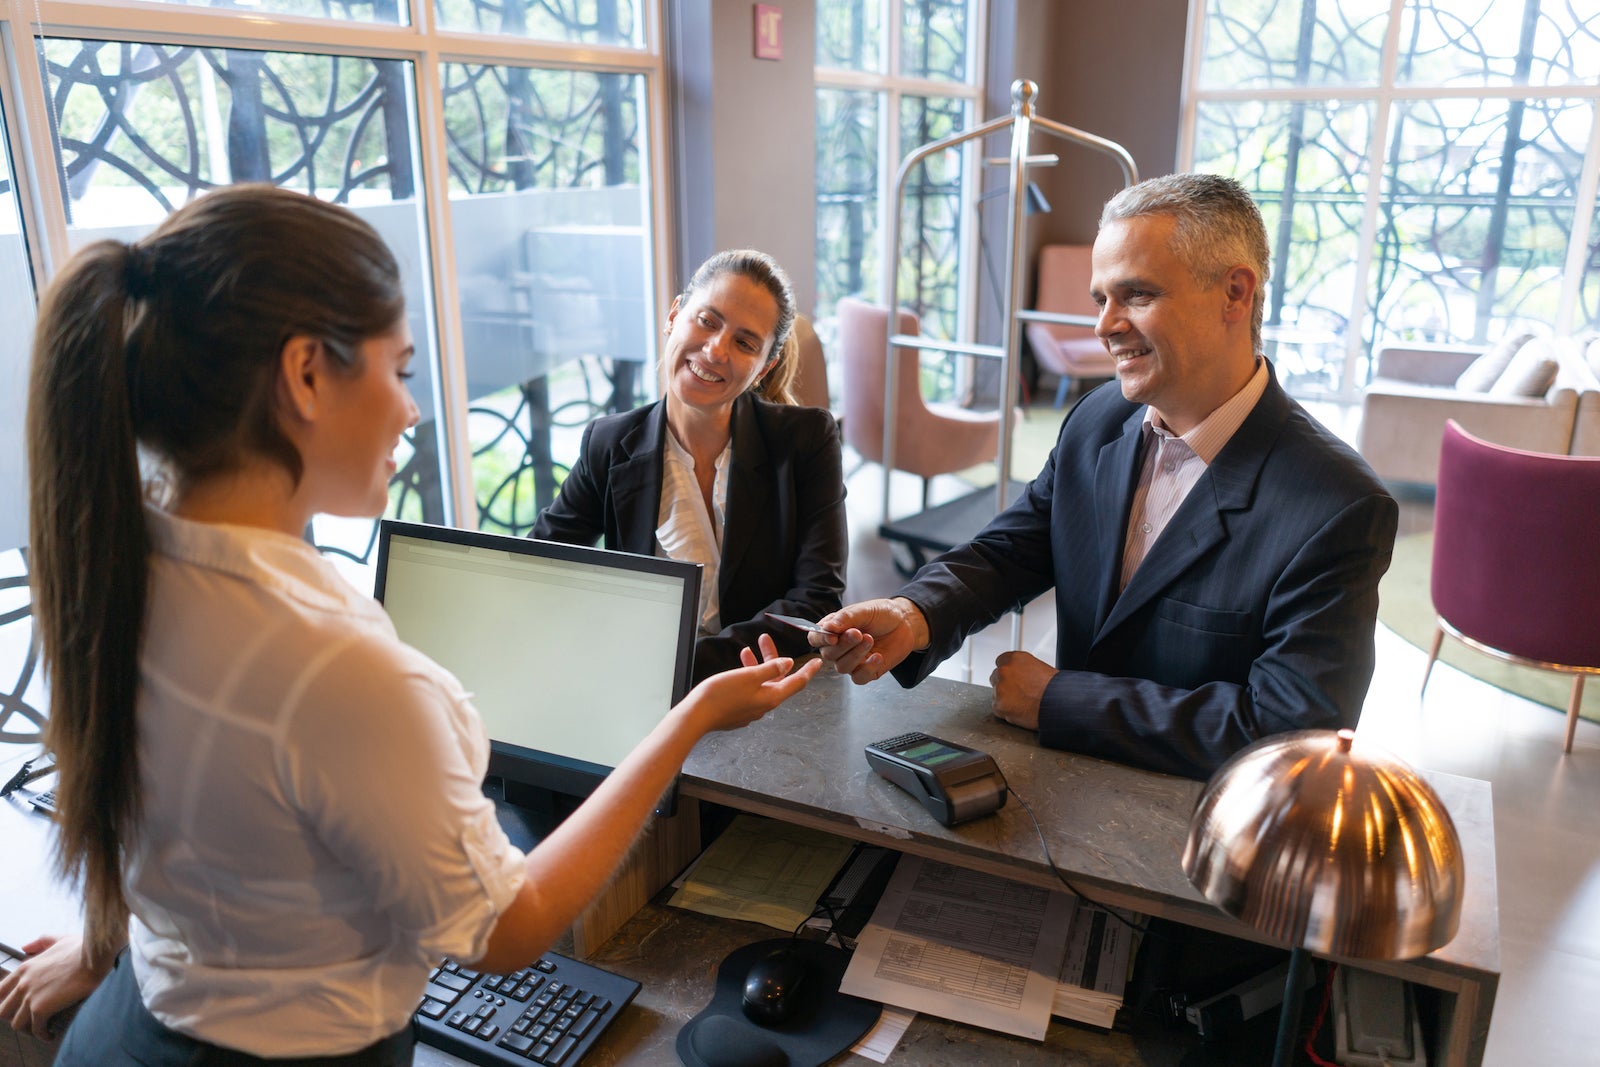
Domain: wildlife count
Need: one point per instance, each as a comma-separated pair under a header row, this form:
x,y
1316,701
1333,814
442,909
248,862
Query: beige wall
x,y
745,160
1114,70
744,137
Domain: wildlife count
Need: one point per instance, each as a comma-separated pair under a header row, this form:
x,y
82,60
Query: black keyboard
x,y
551,1013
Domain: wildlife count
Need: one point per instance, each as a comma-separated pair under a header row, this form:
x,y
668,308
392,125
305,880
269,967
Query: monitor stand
x,y
667,806
527,814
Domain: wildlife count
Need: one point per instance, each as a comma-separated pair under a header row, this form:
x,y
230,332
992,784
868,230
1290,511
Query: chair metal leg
x,y
1062,390
1433,654
1572,711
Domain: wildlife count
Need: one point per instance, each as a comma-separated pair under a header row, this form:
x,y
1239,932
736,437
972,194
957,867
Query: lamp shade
x,y
1324,844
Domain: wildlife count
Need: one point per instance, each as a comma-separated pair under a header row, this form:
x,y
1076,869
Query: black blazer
x,y
1253,612
784,542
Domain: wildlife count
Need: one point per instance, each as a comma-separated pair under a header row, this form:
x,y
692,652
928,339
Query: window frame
x,y
890,88
421,43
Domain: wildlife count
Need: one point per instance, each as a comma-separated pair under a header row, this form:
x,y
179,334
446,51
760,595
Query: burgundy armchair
x,y
1515,571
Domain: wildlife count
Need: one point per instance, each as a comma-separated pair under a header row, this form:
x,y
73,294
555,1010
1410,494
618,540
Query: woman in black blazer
x,y
724,470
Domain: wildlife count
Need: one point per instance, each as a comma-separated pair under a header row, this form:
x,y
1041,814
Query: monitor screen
x,y
571,654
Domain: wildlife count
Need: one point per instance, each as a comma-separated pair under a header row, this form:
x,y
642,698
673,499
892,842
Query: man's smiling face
x,y
1173,338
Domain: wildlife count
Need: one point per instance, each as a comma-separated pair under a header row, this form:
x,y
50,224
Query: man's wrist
x,y
912,618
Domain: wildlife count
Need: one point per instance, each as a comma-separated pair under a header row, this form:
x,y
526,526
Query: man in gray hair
x,y
1215,551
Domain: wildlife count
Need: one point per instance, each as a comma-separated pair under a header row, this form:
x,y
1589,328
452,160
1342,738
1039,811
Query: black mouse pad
x,y
825,1022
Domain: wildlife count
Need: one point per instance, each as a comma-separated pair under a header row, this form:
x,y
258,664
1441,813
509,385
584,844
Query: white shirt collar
x,y
273,559
1213,432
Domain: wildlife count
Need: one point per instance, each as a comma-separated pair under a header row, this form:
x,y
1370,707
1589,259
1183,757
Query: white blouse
x,y
684,530
315,836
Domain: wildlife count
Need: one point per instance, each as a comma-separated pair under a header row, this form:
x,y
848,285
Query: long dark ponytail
x,y
164,351
89,549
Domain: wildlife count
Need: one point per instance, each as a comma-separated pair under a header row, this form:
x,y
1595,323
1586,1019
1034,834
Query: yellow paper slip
x,y
764,871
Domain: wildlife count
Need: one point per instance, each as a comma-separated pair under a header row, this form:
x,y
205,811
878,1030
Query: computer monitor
x,y
571,654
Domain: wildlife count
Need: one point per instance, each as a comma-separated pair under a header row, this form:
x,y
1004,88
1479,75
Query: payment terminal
x,y
954,783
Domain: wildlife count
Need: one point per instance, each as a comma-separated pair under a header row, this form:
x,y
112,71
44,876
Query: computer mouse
x,y
772,990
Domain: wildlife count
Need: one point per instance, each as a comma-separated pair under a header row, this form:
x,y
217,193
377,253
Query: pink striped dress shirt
x,y
1173,464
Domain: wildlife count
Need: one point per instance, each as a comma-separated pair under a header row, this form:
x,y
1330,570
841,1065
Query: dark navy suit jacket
x,y
1253,613
784,541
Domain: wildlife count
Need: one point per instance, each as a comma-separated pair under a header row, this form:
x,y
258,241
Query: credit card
x,y
799,624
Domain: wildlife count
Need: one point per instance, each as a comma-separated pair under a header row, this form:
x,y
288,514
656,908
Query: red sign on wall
x,y
769,32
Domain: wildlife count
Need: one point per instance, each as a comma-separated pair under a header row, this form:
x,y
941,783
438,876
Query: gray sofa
x,y
1413,393
1586,426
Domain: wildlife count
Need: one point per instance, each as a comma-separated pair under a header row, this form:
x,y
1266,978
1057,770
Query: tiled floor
x,y
1547,805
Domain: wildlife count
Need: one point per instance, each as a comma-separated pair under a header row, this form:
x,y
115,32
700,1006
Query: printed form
x,y
963,945
763,871
1094,972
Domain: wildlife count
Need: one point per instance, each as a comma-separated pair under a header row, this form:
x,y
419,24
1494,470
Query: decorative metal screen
x,y
22,695
549,208
607,22
847,195
932,46
1471,160
172,121
147,127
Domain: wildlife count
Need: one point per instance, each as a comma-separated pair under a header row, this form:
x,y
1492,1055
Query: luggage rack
x,y
954,522
942,527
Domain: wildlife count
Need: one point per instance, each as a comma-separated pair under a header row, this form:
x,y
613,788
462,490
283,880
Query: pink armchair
x,y
929,439
811,383
1072,352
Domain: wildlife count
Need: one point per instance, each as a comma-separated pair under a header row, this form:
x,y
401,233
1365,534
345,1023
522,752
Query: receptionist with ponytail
x,y
725,470
272,806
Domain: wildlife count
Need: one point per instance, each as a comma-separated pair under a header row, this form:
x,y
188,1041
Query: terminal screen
x,y
569,653
930,753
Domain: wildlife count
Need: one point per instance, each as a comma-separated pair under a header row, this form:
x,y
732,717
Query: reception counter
x,y
1116,833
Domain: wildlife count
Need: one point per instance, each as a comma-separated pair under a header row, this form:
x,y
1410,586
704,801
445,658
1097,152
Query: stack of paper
x,y
982,949
962,945
1094,971
763,871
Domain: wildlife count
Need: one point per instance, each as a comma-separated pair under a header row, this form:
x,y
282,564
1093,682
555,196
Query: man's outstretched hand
x,y
869,639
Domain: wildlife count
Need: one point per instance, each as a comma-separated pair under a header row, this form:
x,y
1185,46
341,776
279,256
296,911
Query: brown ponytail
x,y
777,385
89,560
171,346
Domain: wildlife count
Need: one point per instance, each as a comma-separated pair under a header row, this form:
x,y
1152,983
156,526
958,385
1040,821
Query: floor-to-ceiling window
x,y
143,127
550,214
507,150
502,147
16,309
893,75
1427,168
21,682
